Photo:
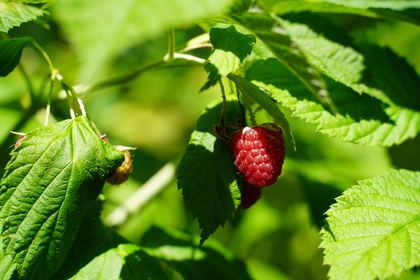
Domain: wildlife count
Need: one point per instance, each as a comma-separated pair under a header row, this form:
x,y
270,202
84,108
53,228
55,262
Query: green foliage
x,y
269,29
293,6
206,175
349,69
11,52
179,251
373,229
384,4
362,119
7,268
14,14
53,177
127,23
230,49
267,104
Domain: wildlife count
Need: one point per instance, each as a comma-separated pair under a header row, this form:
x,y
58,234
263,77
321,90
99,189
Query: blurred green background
x,y
278,238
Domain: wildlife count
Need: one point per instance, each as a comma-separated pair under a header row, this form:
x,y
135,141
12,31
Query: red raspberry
x,y
259,154
250,195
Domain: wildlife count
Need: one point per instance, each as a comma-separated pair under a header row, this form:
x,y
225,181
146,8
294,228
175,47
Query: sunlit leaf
x,y
269,29
386,4
14,14
106,266
373,231
293,6
53,177
362,119
7,268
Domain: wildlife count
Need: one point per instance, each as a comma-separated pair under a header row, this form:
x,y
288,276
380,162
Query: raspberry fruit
x,y
259,154
123,172
250,195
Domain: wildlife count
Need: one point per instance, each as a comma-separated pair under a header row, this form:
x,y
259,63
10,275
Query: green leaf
x,y
268,28
92,239
138,264
7,268
127,23
373,230
53,177
393,75
336,56
385,4
179,251
207,176
362,119
230,49
11,52
297,6
267,104
106,266
14,14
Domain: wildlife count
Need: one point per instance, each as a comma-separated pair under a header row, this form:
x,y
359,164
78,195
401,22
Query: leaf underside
x,y
53,177
374,228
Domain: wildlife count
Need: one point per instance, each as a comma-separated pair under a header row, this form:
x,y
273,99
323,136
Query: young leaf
x,y
14,14
373,231
268,28
106,266
267,104
362,119
230,49
207,175
11,52
178,250
53,177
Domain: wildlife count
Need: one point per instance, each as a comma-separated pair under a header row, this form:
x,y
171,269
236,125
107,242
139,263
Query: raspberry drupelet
x,y
259,154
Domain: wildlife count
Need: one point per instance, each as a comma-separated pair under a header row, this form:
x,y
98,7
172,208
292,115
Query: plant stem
x,y
142,196
222,114
134,73
48,109
28,81
45,55
171,48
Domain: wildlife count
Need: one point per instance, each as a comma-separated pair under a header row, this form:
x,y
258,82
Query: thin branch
x,y
222,114
171,48
142,196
